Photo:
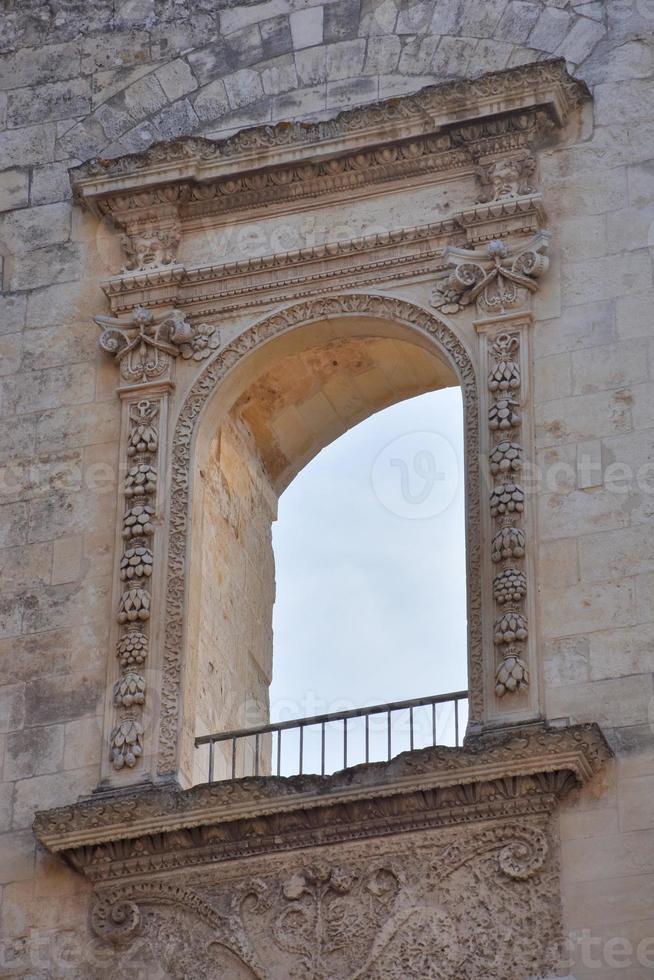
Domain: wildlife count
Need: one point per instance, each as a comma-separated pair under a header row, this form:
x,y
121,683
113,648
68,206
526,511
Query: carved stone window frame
x,y
483,263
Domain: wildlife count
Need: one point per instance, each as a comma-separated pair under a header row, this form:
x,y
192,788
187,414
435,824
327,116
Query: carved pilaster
x,y
504,350
145,346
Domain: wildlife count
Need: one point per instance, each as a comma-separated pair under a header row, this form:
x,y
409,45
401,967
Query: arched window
x,y
275,413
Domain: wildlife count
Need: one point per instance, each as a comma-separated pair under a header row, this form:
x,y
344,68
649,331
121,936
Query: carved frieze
x,y
405,870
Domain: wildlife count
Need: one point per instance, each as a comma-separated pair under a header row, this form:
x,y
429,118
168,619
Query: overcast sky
x,y
369,550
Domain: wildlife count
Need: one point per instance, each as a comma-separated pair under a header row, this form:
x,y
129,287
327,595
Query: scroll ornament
x,y
144,343
495,279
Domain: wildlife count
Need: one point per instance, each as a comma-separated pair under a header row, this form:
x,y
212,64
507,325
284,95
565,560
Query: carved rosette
x,y
507,504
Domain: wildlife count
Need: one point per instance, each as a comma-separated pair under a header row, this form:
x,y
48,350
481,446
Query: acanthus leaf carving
x,y
495,279
145,342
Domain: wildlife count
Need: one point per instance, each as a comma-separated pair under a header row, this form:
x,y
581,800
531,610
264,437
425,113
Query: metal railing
x,y
262,750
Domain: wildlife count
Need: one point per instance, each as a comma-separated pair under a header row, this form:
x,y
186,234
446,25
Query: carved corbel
x,y
498,279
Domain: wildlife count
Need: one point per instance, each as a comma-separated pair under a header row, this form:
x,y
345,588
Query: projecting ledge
x,y
517,772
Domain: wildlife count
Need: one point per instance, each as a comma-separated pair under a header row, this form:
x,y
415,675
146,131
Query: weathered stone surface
x,y
101,80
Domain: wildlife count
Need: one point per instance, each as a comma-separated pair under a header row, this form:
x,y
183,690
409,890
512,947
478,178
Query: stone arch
x,y
423,324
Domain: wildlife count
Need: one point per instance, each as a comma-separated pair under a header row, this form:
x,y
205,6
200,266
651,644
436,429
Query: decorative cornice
x,y
550,760
544,86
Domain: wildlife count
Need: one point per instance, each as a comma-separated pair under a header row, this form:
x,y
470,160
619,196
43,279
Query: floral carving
x,y
505,458
145,343
511,627
508,498
129,690
505,374
138,522
126,743
512,676
509,542
142,436
132,648
136,563
496,280
504,414
141,480
509,586
135,570
134,605
205,340
115,922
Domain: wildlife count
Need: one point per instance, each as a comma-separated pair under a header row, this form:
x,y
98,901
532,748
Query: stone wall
x,y
85,79
238,590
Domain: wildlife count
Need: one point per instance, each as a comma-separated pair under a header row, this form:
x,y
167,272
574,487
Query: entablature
x,y
482,130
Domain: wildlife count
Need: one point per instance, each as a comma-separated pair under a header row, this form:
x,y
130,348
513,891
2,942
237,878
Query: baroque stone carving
x,y
142,437
511,627
506,457
126,743
137,522
504,414
509,586
507,505
150,248
496,280
286,319
129,690
508,498
135,571
141,480
134,605
380,878
512,676
507,178
136,563
402,870
509,542
132,648
438,103
144,343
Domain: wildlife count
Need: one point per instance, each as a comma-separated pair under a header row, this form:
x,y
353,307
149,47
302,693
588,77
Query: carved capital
x,y
498,278
145,343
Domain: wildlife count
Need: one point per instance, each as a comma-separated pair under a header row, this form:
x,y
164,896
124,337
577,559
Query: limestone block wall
x,y
79,79
238,589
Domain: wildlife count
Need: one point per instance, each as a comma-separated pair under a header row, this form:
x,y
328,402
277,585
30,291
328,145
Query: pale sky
x,y
369,550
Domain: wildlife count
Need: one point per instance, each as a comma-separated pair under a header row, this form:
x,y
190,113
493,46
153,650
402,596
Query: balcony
x,y
324,744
